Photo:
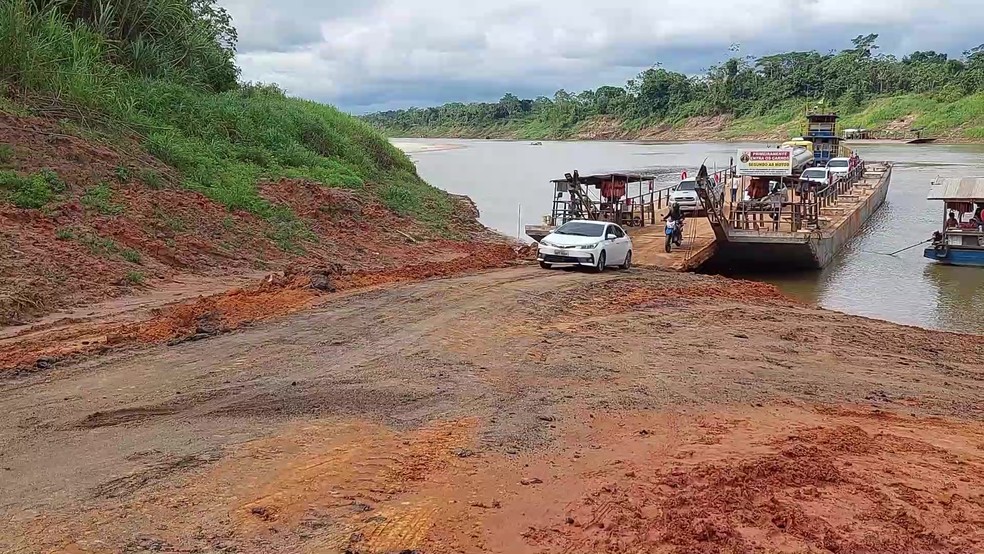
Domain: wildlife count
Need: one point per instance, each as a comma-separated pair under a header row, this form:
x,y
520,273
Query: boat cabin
x,y
961,240
626,198
606,196
821,130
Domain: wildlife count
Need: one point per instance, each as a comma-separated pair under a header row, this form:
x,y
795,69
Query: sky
x,y
371,55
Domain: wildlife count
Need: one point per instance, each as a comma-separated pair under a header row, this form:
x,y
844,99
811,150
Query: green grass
x,y
786,120
31,192
100,246
122,174
220,141
152,179
6,154
103,247
131,256
172,222
288,231
134,278
100,198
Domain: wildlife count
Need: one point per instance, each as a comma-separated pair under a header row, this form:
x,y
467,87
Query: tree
x,y
738,85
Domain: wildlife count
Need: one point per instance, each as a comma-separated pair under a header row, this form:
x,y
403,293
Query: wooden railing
x,y
644,207
800,208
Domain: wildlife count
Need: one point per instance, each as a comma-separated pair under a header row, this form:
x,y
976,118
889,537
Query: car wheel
x,y
545,265
628,260
602,260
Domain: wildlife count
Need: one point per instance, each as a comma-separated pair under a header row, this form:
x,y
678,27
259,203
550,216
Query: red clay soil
x,y
641,295
72,252
466,423
783,480
173,230
275,296
826,488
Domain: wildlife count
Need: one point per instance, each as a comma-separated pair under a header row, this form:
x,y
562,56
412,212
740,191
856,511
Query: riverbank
x,y
957,122
409,147
452,415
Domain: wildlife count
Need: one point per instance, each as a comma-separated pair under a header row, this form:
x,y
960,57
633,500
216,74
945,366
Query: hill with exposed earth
x,y
123,166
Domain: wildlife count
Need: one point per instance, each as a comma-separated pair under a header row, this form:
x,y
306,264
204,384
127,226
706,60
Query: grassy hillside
x,y
129,151
221,138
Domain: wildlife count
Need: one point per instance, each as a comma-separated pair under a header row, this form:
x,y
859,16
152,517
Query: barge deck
x,y
807,234
796,228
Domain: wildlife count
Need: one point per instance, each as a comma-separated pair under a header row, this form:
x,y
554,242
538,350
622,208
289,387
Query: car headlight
x,y
547,244
587,246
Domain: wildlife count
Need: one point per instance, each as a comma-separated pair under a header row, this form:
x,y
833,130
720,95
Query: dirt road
x,y
510,411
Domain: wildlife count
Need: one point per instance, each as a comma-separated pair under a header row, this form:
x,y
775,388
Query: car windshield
x,y
814,174
687,185
580,229
837,163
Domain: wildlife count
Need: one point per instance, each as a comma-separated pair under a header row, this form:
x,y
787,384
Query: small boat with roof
x,y
961,240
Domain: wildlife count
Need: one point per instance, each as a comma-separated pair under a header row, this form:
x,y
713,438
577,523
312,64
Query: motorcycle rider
x,y
676,214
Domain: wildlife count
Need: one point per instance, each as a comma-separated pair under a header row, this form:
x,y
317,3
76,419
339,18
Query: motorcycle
x,y
674,234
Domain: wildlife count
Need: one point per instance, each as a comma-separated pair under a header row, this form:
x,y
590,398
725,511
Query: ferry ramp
x,y
698,246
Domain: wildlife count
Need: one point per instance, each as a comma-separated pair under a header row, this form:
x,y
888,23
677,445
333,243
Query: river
x,y
509,183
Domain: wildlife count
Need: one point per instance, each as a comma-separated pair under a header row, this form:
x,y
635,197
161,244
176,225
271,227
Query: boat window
x,y
580,229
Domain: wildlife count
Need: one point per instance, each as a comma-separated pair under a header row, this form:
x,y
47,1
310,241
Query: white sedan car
x,y
596,244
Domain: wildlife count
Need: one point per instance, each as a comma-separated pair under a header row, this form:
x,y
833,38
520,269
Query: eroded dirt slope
x,y
120,223
511,411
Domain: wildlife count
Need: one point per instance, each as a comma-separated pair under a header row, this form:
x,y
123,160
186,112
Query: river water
x,y
509,183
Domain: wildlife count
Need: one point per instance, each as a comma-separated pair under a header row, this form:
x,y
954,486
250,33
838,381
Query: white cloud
x,y
404,52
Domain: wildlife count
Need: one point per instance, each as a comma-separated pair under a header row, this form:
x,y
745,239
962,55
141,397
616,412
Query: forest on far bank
x,y
756,93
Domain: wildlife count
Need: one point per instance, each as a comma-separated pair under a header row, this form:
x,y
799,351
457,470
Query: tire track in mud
x,y
348,412
401,331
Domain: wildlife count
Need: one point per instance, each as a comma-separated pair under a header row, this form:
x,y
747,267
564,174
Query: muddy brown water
x,y
509,182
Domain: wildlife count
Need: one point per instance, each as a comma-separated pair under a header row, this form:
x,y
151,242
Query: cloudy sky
x,y
367,55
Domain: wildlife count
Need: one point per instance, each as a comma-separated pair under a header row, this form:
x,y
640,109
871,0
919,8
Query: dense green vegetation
x,y
762,94
164,70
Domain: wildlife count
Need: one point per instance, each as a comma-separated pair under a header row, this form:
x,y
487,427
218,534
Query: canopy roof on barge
x,y
966,189
622,177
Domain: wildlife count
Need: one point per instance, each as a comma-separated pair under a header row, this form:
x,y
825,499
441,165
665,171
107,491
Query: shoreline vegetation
x,y
132,153
164,73
742,98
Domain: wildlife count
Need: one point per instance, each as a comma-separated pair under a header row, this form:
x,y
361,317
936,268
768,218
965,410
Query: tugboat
x,y
961,241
